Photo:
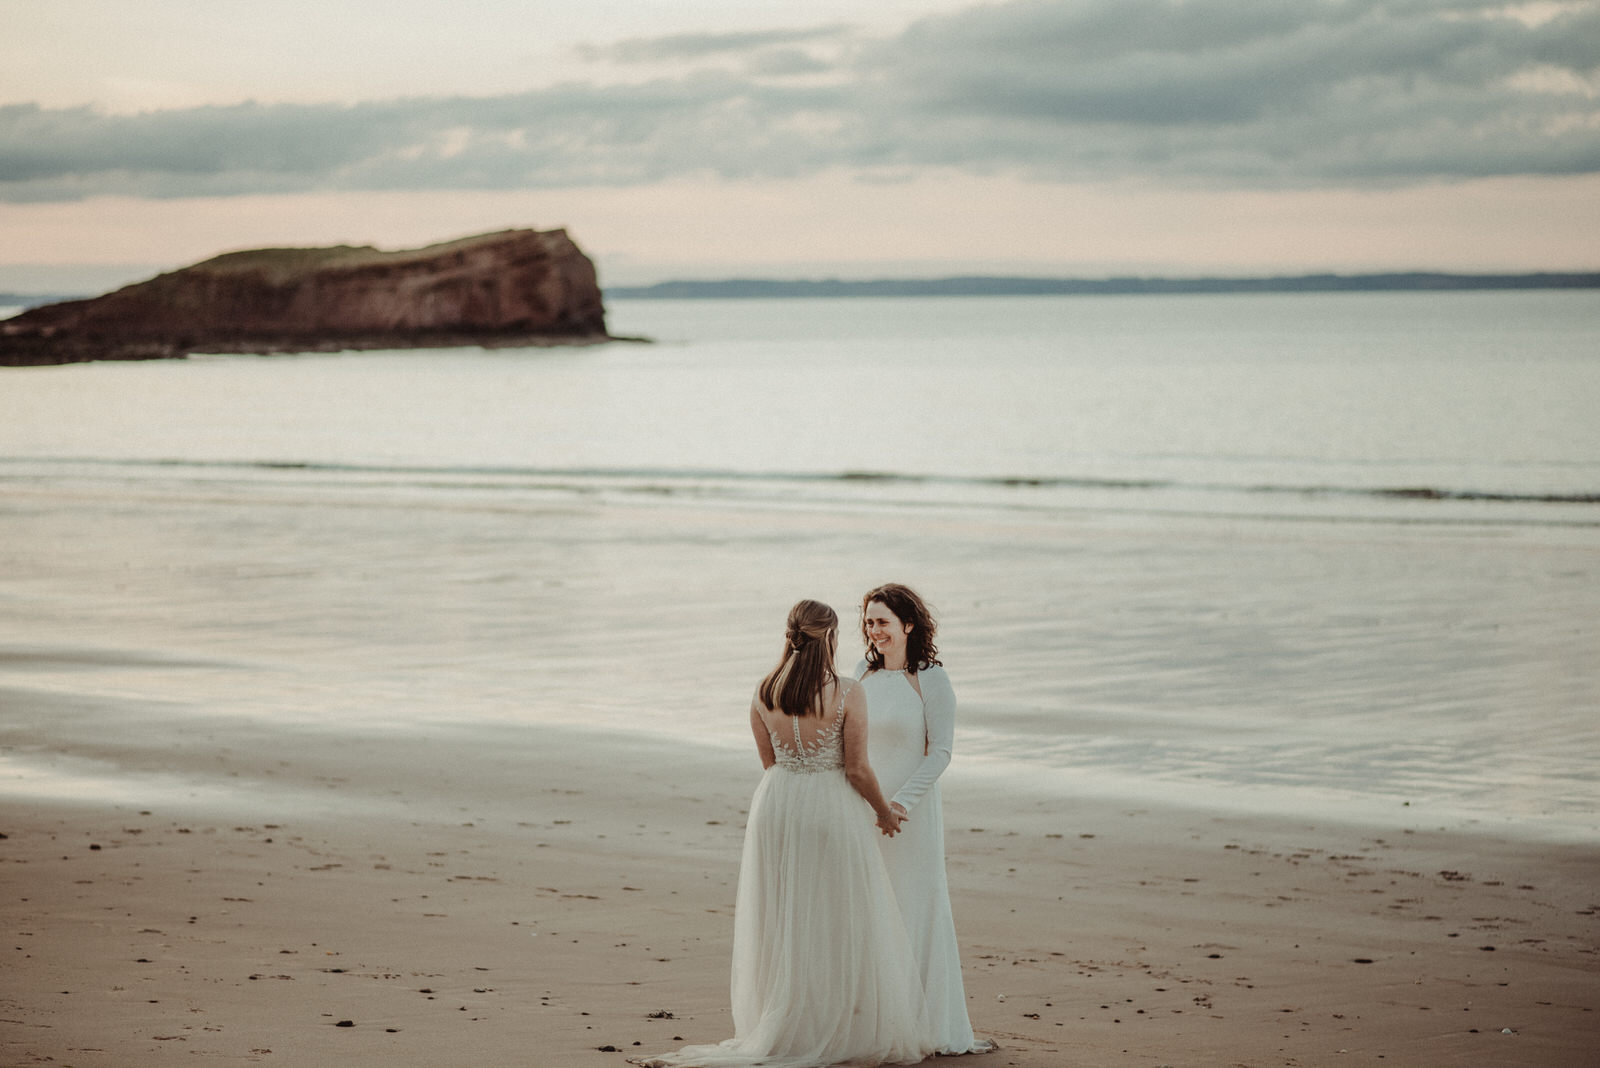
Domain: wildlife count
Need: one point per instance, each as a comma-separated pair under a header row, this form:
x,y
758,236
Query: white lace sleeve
x,y
939,719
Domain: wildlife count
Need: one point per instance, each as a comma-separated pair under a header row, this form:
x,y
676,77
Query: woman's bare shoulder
x,y
849,693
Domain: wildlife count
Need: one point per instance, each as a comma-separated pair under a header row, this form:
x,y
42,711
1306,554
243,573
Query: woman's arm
x,y
856,768
758,727
939,719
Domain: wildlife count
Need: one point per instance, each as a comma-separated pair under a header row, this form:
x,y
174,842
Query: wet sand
x,y
479,897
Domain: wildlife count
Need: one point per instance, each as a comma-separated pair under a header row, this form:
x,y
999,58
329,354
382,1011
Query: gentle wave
x,y
1421,493
668,478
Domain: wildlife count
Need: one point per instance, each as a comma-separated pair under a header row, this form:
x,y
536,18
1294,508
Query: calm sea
x,y
1331,554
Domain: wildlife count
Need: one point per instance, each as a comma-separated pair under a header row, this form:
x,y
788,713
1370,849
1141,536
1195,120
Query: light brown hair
x,y
810,641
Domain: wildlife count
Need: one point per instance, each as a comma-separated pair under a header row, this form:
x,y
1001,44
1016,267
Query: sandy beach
x,y
563,900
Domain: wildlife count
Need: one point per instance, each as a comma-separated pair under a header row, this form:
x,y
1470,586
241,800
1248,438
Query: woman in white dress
x,y
913,732
823,971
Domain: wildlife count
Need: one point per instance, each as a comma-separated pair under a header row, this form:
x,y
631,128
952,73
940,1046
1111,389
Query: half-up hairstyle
x,y
908,608
811,639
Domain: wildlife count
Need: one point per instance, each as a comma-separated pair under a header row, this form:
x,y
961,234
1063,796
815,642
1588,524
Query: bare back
x,y
813,742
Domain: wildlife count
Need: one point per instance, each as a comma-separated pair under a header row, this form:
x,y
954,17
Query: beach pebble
x,y
999,997
1507,1031
345,1023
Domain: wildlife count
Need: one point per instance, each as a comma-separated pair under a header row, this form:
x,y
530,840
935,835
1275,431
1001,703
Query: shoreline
x,y
91,757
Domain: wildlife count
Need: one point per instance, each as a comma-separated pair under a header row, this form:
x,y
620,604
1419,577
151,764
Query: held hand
x,y
889,823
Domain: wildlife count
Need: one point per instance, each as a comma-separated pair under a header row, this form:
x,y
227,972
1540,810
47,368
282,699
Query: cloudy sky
x,y
709,138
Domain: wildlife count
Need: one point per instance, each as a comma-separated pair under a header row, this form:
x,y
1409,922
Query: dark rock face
x,y
517,287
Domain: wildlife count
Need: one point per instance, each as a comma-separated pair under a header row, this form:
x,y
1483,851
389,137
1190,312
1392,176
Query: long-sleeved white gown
x,y
909,741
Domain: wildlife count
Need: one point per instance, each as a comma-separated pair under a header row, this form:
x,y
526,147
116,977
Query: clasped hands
x,y
890,823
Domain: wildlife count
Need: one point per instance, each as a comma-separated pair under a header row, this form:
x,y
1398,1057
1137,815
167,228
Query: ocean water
x,y
1255,403
1336,555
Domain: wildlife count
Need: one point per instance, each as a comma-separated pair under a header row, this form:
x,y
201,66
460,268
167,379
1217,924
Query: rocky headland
x,y
512,288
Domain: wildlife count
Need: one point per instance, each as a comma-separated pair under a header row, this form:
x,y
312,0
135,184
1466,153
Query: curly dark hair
x,y
806,667
908,608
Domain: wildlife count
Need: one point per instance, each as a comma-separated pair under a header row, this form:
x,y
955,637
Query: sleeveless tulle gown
x,y
823,971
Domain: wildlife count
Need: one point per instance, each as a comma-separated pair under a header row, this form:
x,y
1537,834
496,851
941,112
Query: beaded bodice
x,y
825,752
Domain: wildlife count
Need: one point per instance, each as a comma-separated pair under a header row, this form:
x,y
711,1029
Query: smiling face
x,y
887,634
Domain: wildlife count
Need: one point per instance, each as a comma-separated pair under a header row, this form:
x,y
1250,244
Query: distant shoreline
x,y
986,286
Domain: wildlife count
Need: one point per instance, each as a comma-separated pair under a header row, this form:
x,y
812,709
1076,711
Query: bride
x,y
823,971
913,732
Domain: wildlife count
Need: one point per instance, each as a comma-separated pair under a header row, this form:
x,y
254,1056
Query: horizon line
x,y
1043,285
